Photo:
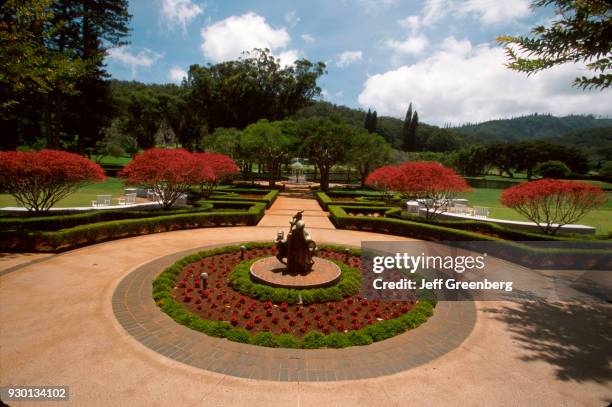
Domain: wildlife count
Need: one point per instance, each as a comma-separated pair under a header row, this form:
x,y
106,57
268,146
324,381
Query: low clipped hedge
x,y
57,222
162,294
240,280
575,254
233,194
326,199
82,235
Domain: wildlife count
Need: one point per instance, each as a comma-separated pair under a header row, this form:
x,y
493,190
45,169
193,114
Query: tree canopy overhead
x,y
581,32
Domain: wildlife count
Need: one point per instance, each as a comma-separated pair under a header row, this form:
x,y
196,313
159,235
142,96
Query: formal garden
x,y
207,216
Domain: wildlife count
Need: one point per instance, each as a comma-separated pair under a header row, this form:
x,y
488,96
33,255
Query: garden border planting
x,y
164,283
82,235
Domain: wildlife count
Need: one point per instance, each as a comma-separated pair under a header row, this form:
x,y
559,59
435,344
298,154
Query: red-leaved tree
x,y
429,181
39,179
385,179
214,168
168,172
552,203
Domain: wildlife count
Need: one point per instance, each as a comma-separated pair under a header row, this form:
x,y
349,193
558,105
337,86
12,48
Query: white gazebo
x,y
297,172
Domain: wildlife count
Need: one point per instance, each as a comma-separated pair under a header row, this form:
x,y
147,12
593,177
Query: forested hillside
x,y
531,127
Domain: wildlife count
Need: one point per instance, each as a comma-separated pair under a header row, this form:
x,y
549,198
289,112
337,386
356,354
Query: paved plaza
x,y
85,319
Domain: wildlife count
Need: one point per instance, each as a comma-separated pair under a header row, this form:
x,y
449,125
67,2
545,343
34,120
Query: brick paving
x,y
136,311
272,272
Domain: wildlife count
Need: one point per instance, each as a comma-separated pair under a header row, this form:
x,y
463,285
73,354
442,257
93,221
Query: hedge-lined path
x,y
58,328
286,205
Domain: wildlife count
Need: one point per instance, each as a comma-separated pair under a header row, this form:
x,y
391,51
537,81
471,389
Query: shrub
x,y
38,180
359,338
239,335
552,169
287,341
606,169
314,340
266,339
553,203
337,340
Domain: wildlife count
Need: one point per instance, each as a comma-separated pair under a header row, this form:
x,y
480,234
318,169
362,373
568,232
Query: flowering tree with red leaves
x,y
214,168
168,172
430,182
384,179
39,179
552,203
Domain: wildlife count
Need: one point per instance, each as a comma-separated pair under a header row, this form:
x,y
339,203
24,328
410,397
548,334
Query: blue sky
x,y
441,55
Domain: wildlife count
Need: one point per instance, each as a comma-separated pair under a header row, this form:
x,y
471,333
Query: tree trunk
x,y
324,178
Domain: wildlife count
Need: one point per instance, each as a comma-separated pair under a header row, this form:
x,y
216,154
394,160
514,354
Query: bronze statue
x,y
298,249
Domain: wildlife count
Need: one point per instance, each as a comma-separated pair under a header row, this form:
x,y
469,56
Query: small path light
x,y
242,251
203,279
347,252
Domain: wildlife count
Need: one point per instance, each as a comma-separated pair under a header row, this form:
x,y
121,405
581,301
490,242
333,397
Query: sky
x,y
439,55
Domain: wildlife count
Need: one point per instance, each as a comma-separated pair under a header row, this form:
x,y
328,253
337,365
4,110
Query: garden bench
x,y
128,199
102,200
481,212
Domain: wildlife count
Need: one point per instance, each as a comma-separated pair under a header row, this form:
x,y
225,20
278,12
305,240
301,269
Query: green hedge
x,y
326,199
57,222
267,198
592,253
240,280
70,238
165,282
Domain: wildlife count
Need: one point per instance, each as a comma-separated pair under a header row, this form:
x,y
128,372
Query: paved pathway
x,y
287,205
58,328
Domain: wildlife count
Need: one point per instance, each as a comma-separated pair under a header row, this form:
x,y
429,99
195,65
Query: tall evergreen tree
x,y
412,131
406,142
374,122
368,120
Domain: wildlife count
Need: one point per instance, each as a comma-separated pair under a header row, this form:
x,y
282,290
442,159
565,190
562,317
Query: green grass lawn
x,y
82,197
601,218
108,160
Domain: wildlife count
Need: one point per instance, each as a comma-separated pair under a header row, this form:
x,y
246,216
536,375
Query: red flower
x,y
234,320
257,318
275,320
246,315
325,330
250,325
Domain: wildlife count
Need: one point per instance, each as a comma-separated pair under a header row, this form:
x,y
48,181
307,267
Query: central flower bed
x,y
231,305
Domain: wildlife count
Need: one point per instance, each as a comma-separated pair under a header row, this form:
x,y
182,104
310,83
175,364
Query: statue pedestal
x,y
272,272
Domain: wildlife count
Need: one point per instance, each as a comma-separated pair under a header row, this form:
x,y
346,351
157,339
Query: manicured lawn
x,y
601,218
108,160
83,196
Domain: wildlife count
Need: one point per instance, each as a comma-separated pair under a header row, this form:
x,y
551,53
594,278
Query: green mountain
x,y
532,127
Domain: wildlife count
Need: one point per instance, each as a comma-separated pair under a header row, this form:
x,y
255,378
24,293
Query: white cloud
x,y
411,45
461,82
347,58
412,23
144,58
288,57
308,38
292,18
487,11
228,39
180,12
177,74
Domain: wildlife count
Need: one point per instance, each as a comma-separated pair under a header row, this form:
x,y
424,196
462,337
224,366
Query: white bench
x,y
128,199
102,200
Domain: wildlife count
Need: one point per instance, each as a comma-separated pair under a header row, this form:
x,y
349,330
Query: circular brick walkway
x,y
136,311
